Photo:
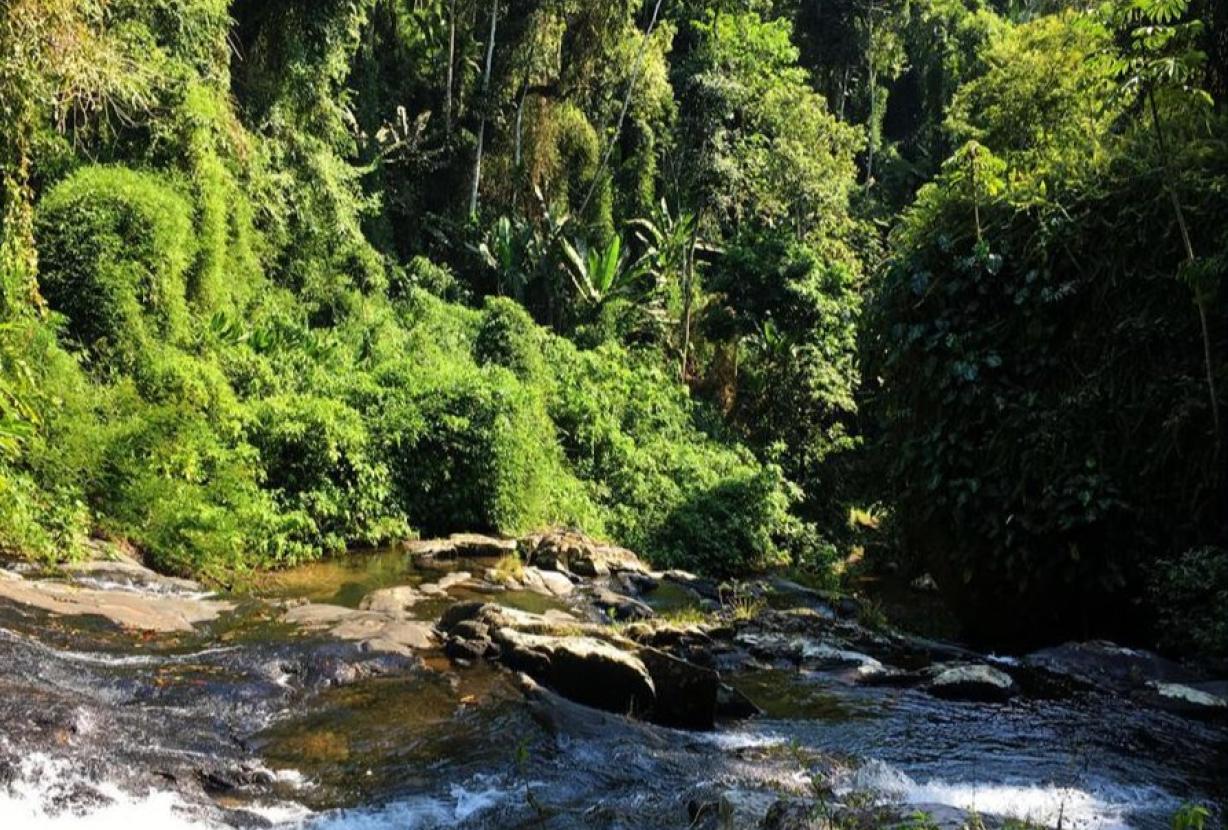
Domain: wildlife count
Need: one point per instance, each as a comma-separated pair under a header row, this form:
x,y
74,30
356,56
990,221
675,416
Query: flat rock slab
x,y
127,574
378,631
392,600
473,545
162,612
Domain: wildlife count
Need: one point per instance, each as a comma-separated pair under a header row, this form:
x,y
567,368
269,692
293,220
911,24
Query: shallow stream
x,y
249,722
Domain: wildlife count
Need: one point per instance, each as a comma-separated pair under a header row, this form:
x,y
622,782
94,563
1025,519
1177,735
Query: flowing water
x,y
247,722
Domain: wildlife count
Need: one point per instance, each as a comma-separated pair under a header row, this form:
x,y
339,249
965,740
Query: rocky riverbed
x,y
552,682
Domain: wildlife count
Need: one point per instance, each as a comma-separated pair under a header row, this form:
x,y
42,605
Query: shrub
x,y
115,245
318,461
188,495
629,430
1019,373
473,449
508,337
1190,593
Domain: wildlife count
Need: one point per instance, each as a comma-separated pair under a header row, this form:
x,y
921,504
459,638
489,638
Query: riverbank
x,y
553,682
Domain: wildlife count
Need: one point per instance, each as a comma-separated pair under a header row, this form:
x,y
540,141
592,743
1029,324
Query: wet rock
x,y
467,649
703,587
377,631
619,607
569,720
548,583
445,583
393,601
564,551
582,669
975,682
163,612
823,656
458,613
1198,700
744,807
924,584
733,705
792,814
1106,666
686,694
633,582
127,574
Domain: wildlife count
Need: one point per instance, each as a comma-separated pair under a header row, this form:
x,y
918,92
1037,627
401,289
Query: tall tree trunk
x,y
477,159
447,93
622,113
688,292
1179,212
872,78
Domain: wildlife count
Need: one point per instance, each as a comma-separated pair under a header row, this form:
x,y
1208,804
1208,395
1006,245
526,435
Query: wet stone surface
x,y
422,687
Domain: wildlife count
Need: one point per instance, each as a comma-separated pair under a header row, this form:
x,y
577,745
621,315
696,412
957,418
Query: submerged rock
x,y
377,631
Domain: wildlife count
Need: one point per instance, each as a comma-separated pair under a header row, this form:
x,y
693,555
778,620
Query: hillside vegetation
x,y
279,278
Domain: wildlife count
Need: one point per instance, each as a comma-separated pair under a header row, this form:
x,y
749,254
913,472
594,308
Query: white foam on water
x,y
1101,808
48,793
420,813
30,802
733,740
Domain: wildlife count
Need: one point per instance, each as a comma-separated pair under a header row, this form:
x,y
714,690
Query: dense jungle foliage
x,y
282,277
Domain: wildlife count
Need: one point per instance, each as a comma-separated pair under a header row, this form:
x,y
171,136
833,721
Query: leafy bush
x,y
508,337
319,462
115,245
629,430
473,449
185,493
1019,375
1190,592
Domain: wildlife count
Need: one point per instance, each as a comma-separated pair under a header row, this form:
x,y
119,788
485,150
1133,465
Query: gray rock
x,y
391,600
1199,700
686,693
562,551
732,704
582,669
1106,666
620,607
971,682
458,613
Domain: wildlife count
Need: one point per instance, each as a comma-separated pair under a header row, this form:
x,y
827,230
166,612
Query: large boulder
x,y
686,693
583,669
1105,666
564,551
